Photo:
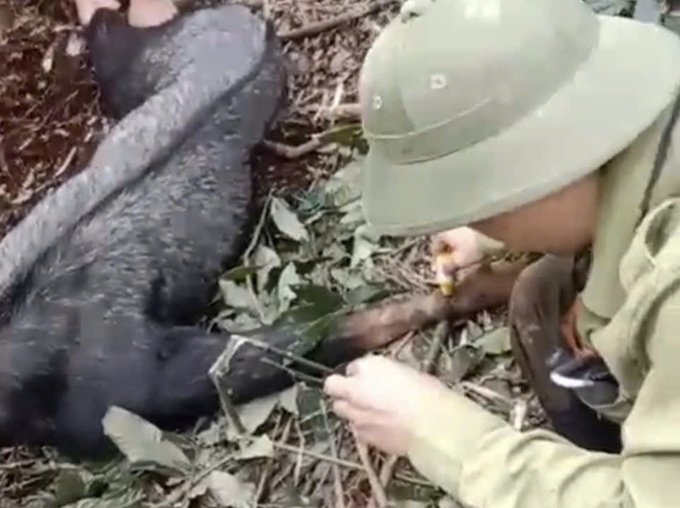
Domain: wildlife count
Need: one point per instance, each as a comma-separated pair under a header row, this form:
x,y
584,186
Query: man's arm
x,y
484,462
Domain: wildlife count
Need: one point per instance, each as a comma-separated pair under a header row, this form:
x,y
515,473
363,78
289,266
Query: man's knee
x,y
541,288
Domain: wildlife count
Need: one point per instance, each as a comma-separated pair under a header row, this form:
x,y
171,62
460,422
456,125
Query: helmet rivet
x,y
437,81
377,102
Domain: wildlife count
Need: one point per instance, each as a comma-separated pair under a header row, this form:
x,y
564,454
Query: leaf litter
x,y
312,258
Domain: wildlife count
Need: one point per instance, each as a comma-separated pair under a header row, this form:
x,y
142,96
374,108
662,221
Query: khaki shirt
x,y
632,317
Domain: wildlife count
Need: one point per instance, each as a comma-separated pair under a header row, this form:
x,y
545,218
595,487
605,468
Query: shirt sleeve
x,y
483,462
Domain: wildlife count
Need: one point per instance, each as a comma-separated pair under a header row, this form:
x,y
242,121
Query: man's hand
x,y
570,333
87,8
454,251
382,399
146,13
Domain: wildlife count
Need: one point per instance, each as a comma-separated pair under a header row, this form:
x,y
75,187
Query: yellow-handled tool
x,y
444,280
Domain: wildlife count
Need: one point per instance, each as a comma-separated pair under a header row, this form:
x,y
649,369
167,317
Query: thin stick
x,y
286,354
294,152
387,469
376,487
67,162
294,374
318,456
327,24
298,457
414,481
440,334
249,250
337,478
518,414
485,393
270,464
176,495
349,111
4,167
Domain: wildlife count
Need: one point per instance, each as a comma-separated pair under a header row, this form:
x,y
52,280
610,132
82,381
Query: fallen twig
x,y
318,456
350,111
337,478
266,473
294,152
287,354
327,24
4,167
440,335
518,414
376,487
248,252
300,376
486,393
387,469
67,162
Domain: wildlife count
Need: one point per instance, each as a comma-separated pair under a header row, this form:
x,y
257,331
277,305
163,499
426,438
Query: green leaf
x,y
254,414
229,491
212,435
237,296
320,329
495,342
365,244
142,443
323,299
353,214
199,490
261,447
363,249
69,487
344,186
287,280
127,500
288,400
286,221
347,278
240,273
335,252
267,259
311,201
367,293
462,361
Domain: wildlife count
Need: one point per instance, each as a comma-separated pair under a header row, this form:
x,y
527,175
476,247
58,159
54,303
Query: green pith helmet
x,y
474,107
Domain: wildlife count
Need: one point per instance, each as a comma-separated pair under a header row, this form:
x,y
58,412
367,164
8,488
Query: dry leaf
x,y
141,442
286,221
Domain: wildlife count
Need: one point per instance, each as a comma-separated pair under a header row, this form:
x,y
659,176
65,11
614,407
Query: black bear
x,y
102,283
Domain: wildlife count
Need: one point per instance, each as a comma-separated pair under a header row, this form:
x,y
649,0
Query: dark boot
x,y
542,294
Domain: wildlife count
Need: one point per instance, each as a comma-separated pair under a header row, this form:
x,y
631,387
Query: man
x,y
547,128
